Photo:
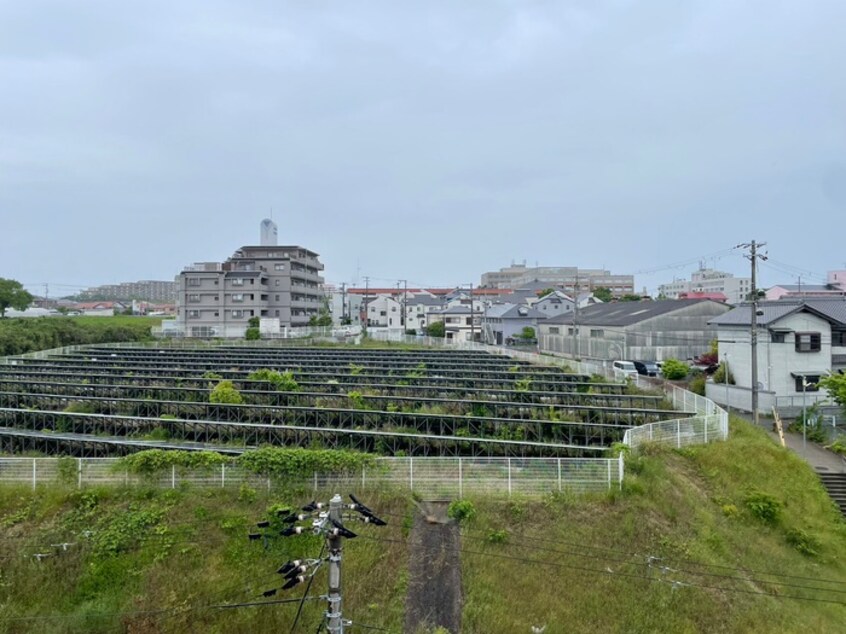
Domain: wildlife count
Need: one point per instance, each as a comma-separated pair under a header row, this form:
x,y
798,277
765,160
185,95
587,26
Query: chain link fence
x,y
430,477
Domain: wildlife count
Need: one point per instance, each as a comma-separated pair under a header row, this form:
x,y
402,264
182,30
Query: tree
x,y
674,370
761,295
254,322
545,292
629,297
13,295
322,320
436,329
527,333
252,334
603,294
835,385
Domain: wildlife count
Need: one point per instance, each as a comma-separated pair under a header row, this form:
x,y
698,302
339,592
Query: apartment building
x,y
569,279
148,290
217,299
736,289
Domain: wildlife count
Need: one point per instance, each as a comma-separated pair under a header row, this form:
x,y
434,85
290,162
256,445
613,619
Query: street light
x,y
804,419
726,379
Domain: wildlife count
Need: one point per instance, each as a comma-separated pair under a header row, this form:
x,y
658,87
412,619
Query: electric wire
x,y
620,574
522,537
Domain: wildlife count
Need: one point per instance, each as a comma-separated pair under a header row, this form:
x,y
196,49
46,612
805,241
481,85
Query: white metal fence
x,y
431,477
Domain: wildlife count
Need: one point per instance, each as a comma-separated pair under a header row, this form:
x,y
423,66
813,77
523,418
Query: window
x,y
278,282
777,337
808,342
194,298
810,383
597,333
194,281
277,313
238,281
554,330
279,267
237,297
237,314
838,339
193,314
277,298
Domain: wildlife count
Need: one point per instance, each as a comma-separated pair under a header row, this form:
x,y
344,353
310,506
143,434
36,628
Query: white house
x,y
460,322
553,304
384,311
798,343
418,309
504,323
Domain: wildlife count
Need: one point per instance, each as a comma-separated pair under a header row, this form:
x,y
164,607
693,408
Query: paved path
x,y
820,459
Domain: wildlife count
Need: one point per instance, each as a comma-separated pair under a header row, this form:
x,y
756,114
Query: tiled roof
x,y
833,309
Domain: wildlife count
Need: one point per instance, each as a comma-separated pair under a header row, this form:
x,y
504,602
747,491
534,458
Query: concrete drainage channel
x,y
434,596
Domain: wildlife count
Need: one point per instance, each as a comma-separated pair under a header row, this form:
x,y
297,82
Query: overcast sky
x,y
429,142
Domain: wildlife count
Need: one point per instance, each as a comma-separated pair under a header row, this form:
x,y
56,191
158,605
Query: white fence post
x,y
621,467
678,433
173,476
705,421
509,477
223,475
411,474
460,480
79,473
34,477
608,462
559,475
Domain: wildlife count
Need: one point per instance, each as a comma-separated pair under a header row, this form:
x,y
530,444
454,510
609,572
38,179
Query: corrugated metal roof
x,y
627,313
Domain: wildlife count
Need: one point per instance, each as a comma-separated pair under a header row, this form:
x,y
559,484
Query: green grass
x,y
525,561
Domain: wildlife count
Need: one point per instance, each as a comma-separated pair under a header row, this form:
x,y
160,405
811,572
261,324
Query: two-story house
x,y
798,342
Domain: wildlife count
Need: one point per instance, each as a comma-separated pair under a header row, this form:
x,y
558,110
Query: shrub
x,y
803,542
281,381
697,385
674,370
461,510
763,506
523,385
212,375
153,461
296,462
252,334
224,392
720,374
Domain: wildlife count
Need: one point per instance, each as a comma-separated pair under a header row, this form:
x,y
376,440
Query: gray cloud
x,y
429,142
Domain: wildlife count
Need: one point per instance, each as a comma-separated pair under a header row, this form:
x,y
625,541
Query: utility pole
x,y
343,303
404,306
472,316
366,293
329,524
753,258
576,318
334,623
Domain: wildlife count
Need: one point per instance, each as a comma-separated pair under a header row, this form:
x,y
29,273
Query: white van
x,y
625,368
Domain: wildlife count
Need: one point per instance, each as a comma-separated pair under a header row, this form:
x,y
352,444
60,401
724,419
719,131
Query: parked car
x,y
624,367
647,368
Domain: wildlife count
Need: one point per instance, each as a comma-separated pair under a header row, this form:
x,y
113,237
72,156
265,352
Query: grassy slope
x,y
687,505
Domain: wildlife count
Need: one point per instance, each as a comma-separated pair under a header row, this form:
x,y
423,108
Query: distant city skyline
x,y
426,142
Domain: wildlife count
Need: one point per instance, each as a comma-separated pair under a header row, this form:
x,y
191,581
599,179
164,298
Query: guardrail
x,y
441,477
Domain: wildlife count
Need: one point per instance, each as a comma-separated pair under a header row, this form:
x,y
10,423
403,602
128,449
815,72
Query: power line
x,y
523,538
608,571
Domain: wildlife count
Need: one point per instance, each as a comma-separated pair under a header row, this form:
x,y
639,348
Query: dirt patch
x,y
434,585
